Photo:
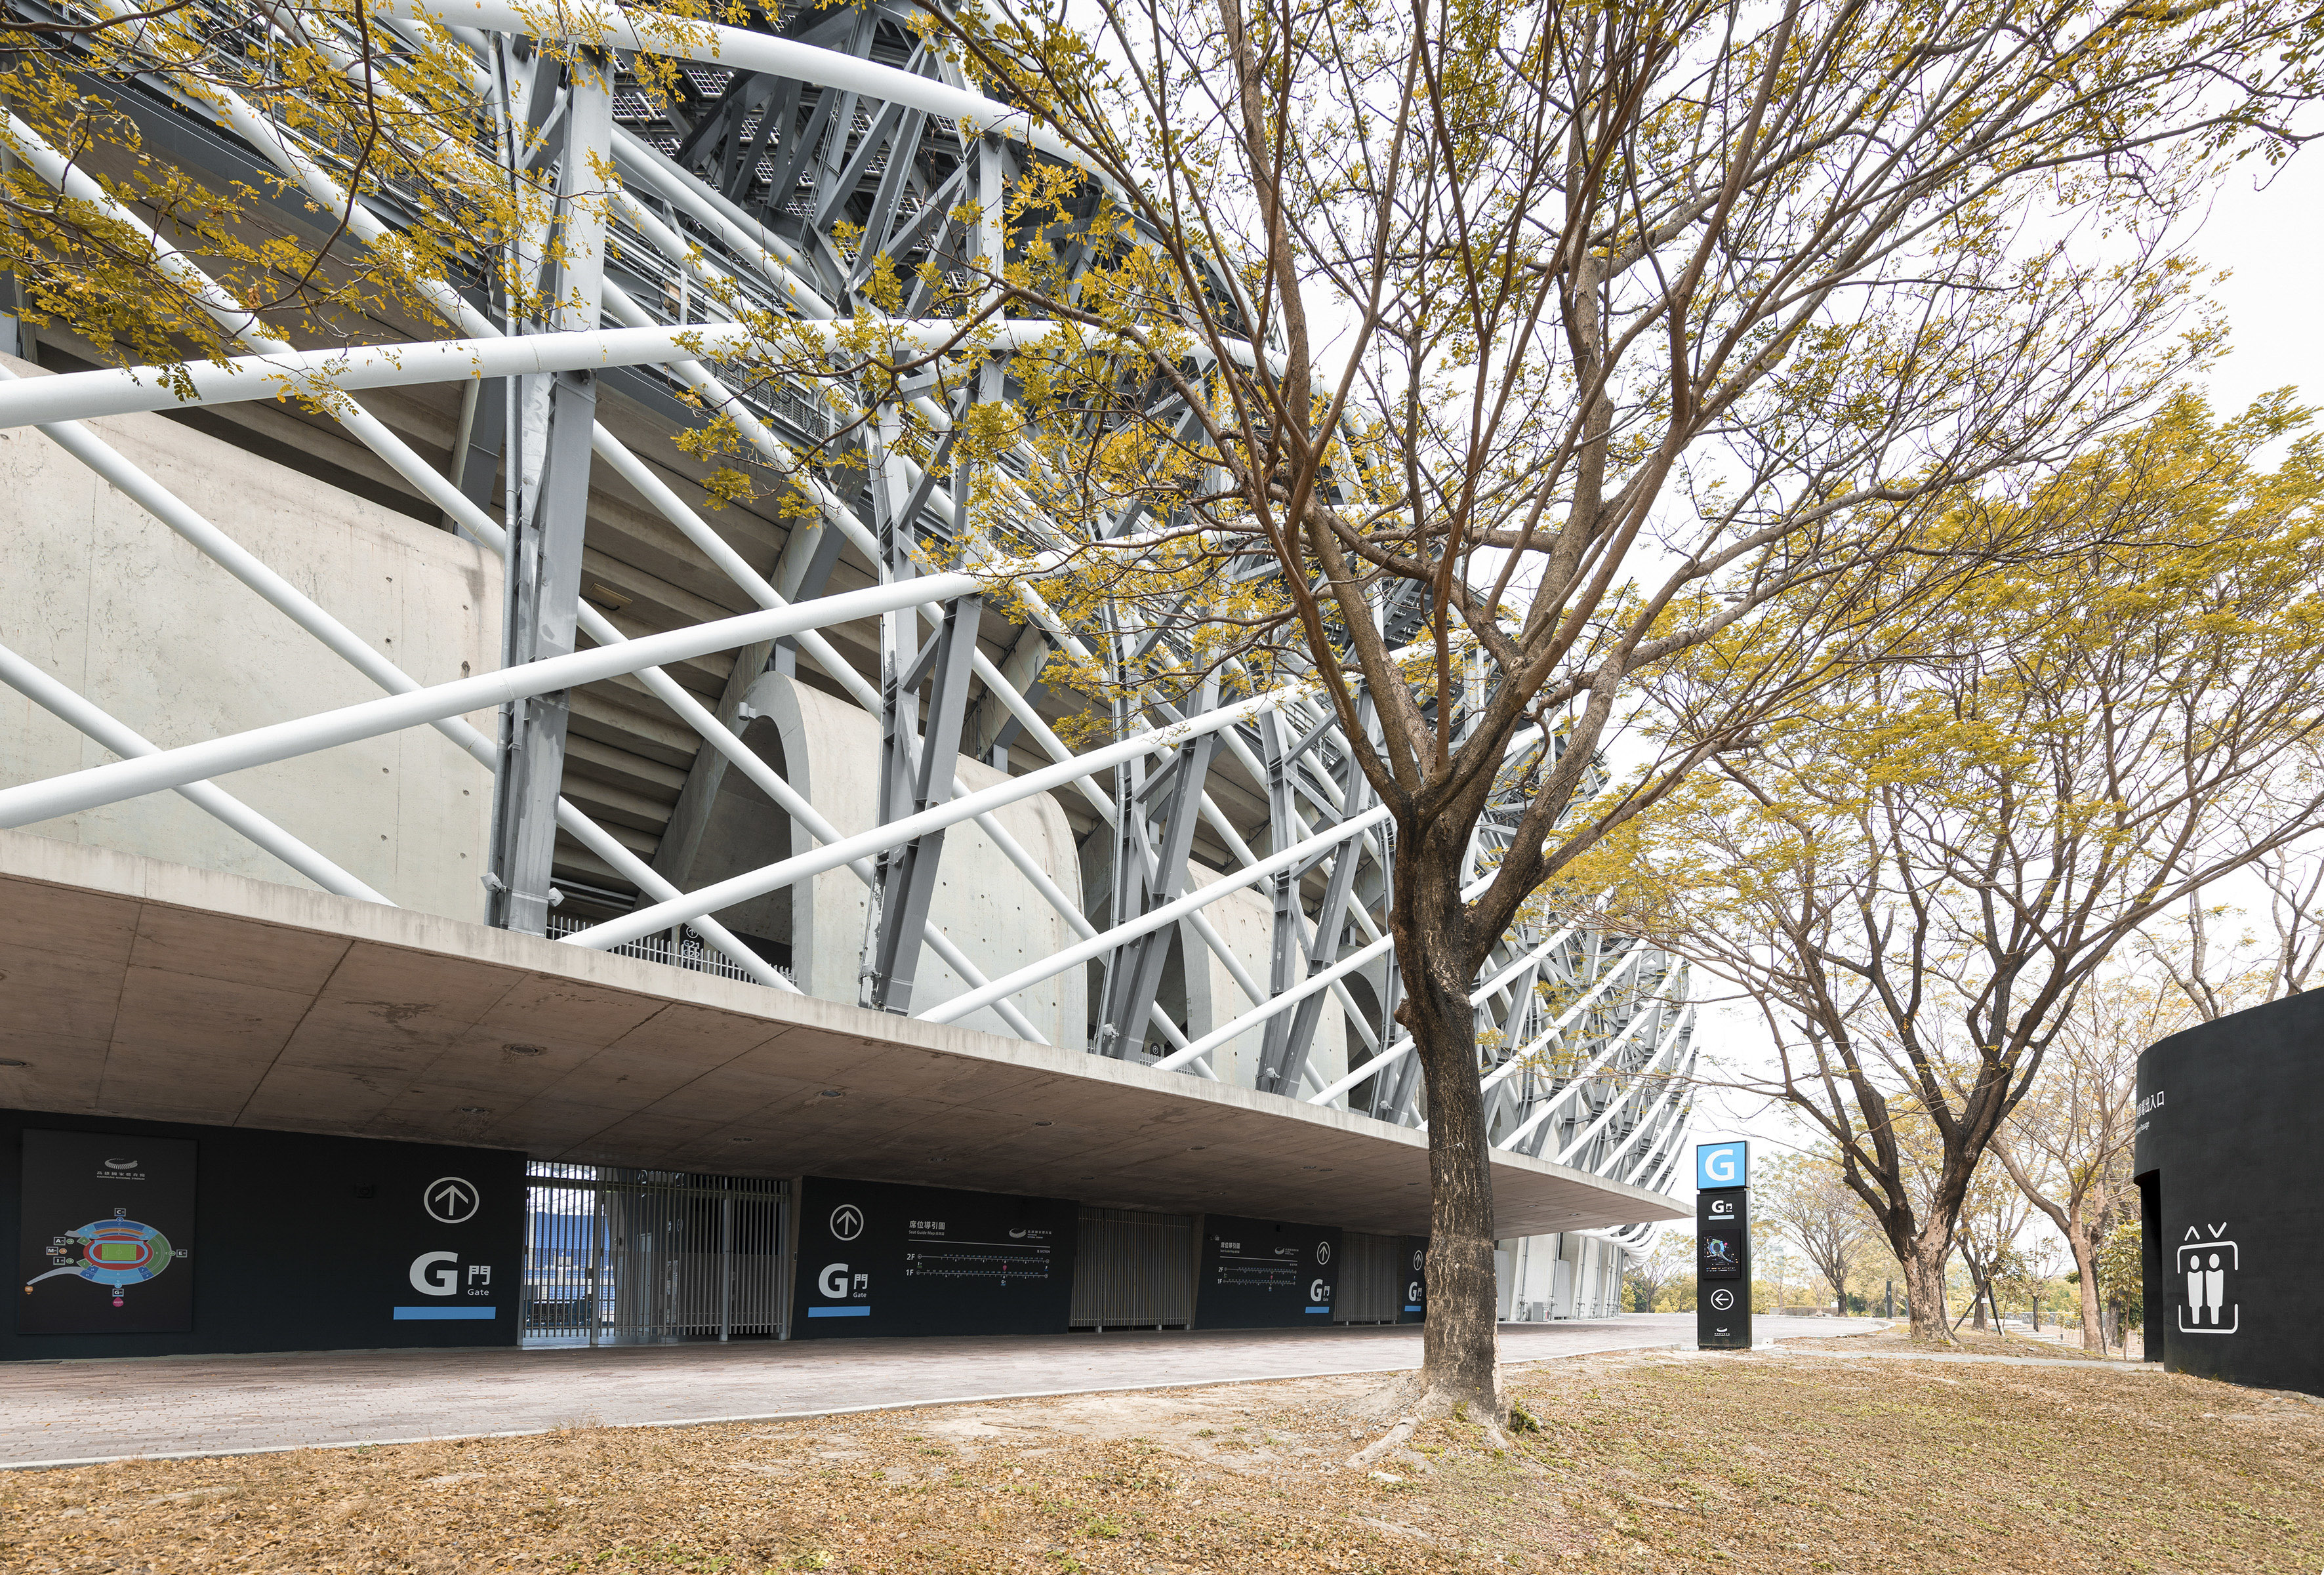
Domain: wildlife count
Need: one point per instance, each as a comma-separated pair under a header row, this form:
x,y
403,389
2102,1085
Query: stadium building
x,y
655,922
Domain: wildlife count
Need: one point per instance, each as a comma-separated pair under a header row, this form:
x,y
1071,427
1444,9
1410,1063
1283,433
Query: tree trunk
x,y
2086,1265
1924,1282
1460,1340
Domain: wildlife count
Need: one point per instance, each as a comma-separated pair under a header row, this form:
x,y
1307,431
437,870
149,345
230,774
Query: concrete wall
x,y
828,749
119,608
1567,1275
1245,919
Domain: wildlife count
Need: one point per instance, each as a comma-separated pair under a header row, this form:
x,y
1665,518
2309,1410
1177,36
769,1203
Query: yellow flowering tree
x,y
1918,877
1469,362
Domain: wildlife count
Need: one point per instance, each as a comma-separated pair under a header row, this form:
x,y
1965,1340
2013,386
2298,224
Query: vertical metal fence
x,y
1134,1270
1371,1280
622,1256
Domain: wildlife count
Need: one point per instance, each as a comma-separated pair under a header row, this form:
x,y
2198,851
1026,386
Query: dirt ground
x,y
1644,1461
1898,1336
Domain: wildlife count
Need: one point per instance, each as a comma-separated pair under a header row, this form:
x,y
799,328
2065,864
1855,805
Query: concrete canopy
x,y
139,989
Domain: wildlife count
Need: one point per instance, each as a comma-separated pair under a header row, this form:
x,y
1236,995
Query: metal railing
x,y
682,950
622,1257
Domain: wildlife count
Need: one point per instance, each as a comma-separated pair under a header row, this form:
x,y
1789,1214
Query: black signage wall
x,y
2226,1160
1414,1308
237,1241
879,1258
1722,1269
107,1234
1265,1273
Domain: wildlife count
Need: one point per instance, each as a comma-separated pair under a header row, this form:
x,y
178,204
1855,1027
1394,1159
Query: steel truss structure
x,y
797,154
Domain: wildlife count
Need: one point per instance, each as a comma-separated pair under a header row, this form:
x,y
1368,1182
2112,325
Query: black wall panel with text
x,y
163,1239
878,1258
1265,1273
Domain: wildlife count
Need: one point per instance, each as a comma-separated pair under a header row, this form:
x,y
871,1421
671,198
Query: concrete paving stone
x,y
72,1412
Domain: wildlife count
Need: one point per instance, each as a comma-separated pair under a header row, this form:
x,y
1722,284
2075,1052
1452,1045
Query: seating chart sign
x,y
1265,1273
105,1235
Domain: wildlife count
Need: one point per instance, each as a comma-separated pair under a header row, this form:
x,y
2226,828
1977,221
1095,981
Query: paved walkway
x,y
70,1413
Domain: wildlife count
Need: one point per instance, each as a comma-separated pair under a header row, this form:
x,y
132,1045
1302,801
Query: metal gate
x,y
1371,1279
1134,1270
622,1256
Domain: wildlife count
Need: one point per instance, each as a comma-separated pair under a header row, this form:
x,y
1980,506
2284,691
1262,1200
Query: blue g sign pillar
x,y
1722,1251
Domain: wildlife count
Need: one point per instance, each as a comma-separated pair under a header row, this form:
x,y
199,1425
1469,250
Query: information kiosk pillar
x,y
1722,1251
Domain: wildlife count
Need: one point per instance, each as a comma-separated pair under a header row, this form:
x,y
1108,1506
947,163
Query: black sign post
x,y
1723,1252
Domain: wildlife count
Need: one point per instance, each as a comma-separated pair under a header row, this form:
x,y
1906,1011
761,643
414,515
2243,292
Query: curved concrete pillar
x,y
829,751
1198,989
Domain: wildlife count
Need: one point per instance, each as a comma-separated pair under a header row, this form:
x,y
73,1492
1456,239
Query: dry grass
x,y
1643,1462
1898,1336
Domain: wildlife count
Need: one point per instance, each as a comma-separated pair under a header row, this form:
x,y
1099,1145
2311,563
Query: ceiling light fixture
x,y
828,1093
526,1049
475,1110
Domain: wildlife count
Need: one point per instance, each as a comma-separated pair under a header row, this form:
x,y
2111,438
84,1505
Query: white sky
x,y
2273,242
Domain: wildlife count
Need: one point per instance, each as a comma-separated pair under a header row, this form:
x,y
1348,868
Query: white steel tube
x,y
1603,982
92,720
1605,1167
1574,1084
1169,912
1274,1005
1613,1107
604,25
344,642
109,784
1646,1121
789,871
322,375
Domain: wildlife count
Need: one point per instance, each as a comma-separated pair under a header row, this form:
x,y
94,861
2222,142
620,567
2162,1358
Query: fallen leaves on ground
x,y
1660,1461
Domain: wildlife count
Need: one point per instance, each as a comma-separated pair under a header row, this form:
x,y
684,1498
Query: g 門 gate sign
x,y
1722,1245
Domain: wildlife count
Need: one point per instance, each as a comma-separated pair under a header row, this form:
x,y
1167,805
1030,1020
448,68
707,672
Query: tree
x,y
2068,1143
1649,1273
1918,878
1992,1216
1572,339
1807,1196
2218,980
147,260
2025,1274
2122,1278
